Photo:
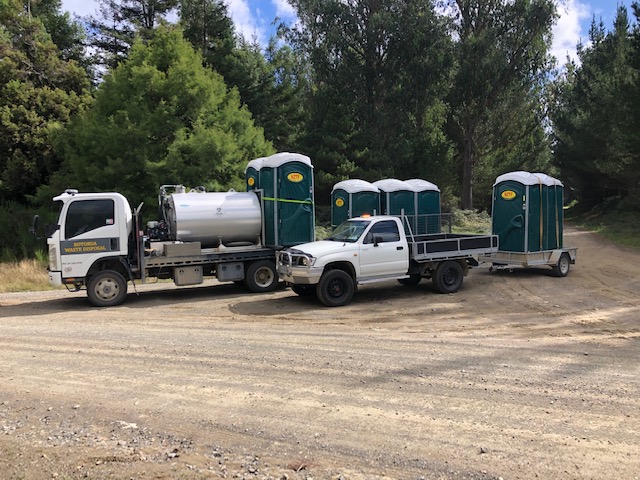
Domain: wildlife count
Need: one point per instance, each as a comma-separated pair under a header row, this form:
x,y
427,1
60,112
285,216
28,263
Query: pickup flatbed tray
x,y
442,246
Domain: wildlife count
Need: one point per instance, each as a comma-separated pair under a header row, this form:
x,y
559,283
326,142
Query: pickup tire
x,y
261,276
336,288
107,289
448,277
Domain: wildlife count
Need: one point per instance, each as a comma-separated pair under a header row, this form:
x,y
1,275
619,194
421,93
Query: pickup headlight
x,y
304,261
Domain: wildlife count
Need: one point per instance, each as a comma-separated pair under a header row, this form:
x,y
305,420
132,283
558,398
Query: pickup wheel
x,y
561,269
107,289
448,277
304,290
336,288
261,277
412,281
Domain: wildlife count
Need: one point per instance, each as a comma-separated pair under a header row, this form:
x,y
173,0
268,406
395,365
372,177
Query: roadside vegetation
x,y
28,275
616,223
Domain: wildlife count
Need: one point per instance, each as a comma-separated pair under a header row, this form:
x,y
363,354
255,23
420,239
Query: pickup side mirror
x,y
377,239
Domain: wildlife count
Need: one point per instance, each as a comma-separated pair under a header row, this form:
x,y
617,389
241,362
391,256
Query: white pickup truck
x,y
377,248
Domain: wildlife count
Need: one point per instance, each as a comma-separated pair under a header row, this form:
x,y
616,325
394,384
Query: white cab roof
x,y
355,185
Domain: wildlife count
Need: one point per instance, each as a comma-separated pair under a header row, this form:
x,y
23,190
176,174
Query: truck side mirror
x,y
33,230
377,239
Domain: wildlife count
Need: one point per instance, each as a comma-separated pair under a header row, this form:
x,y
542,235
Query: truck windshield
x,y
349,231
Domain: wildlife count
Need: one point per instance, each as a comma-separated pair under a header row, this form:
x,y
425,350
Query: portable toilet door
x,y
552,211
427,205
510,210
252,174
287,182
352,198
396,196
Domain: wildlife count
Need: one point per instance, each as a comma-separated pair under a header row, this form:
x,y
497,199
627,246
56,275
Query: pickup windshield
x,y
349,231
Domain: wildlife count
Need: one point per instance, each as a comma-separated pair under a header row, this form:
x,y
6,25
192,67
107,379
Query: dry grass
x,y
25,275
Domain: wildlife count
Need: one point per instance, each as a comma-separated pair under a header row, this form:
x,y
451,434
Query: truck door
x,y
90,230
389,256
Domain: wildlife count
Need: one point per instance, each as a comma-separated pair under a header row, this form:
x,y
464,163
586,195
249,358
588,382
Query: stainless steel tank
x,y
212,218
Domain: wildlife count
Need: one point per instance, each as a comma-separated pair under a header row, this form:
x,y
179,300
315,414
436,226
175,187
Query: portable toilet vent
x,y
427,205
396,197
287,183
527,212
352,198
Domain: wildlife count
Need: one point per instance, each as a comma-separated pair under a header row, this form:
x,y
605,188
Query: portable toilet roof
x,y
278,159
256,164
355,185
547,180
393,185
420,185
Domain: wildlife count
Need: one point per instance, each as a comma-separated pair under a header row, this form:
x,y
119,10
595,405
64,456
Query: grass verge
x,y
23,276
618,225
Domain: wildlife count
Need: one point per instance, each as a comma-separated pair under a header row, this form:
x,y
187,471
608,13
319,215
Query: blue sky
x,y
254,18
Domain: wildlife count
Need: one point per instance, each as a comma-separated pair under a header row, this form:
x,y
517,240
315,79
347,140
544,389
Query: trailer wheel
x,y
448,277
561,269
107,289
336,288
412,281
304,290
261,277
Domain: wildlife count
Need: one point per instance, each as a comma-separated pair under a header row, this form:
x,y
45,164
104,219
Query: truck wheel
x,y
261,277
304,290
561,269
336,288
107,289
448,277
412,281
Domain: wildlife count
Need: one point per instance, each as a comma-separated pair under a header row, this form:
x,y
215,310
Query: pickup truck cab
x,y
377,248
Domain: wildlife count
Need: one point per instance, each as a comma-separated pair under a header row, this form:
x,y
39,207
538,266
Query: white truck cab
x,y
91,227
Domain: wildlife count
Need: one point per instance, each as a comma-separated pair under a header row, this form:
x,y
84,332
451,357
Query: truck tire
x,y
561,269
448,277
412,281
304,290
336,288
107,289
261,276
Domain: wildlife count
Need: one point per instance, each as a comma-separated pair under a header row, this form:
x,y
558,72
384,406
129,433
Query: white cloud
x,y
245,22
284,9
567,32
80,7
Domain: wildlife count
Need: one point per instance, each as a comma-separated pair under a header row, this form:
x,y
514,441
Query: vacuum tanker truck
x,y
100,244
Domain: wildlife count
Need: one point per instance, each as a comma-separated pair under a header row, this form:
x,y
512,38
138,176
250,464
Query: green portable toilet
x,y
427,201
352,198
287,182
252,174
396,196
527,212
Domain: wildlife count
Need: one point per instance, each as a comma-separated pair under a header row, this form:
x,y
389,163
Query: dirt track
x,y
518,375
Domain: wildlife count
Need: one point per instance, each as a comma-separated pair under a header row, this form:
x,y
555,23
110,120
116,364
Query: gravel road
x,y
519,375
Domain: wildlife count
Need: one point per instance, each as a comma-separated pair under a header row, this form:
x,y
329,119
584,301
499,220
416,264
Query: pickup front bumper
x,y
291,269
